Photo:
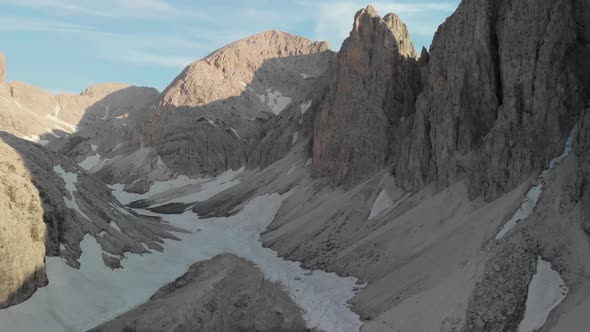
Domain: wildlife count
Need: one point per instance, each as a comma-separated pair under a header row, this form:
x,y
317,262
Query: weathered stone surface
x,y
373,86
226,293
501,97
215,112
22,231
89,209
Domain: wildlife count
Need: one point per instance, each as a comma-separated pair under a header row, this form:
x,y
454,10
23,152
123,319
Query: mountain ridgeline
x,y
402,169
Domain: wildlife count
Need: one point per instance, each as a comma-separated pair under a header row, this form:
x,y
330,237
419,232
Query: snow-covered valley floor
x,y
77,300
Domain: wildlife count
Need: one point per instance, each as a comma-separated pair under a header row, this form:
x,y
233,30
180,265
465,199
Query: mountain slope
x,y
214,113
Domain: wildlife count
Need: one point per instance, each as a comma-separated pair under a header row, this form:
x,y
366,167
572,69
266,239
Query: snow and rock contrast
x,y
237,298
276,184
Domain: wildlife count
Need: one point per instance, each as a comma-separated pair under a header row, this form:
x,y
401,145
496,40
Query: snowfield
x,y
546,291
77,300
382,202
534,194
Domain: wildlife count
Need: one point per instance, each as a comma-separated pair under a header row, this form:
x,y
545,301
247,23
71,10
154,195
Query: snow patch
x,y
158,188
305,106
305,76
235,132
90,162
382,202
295,138
36,139
534,194
293,167
546,291
63,305
70,179
115,226
212,123
262,98
308,163
276,101
93,147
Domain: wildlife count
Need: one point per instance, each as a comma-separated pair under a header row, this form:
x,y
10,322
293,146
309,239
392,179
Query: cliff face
x,y
22,231
503,91
373,85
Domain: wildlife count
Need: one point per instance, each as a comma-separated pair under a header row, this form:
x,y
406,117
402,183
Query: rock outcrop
x,y
502,94
214,113
75,203
374,82
22,231
226,293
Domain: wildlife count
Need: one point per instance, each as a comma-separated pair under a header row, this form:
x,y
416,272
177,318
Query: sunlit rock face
x,y
214,114
22,231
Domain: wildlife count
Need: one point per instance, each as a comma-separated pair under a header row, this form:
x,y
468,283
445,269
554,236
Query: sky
x,y
68,45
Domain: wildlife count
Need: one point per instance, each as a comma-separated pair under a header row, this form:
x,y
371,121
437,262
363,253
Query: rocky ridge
x,y
236,298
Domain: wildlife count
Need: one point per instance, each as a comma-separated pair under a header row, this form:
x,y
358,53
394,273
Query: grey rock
x,y
374,82
502,94
226,293
214,114
66,227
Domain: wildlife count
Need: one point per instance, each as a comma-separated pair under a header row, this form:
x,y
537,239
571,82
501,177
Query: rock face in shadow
x,y
226,293
374,82
502,94
74,203
22,231
215,112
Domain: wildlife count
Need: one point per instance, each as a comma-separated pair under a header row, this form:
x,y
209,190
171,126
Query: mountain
x,y
384,190
374,82
232,96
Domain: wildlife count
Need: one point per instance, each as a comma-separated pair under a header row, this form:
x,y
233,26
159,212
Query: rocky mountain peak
x,y
367,21
228,71
374,83
2,67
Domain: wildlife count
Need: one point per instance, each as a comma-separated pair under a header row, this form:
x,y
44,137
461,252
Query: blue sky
x,y
67,45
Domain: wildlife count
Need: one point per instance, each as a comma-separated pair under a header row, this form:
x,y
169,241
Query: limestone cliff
x,y
374,82
502,94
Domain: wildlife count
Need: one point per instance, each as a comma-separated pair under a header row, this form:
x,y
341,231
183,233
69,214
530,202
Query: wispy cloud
x,y
39,24
146,58
114,9
166,35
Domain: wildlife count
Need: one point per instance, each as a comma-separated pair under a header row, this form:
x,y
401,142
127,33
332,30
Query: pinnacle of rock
x,y
375,81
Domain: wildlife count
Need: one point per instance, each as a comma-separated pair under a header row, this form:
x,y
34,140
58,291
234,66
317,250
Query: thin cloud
x,y
112,9
145,58
38,25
